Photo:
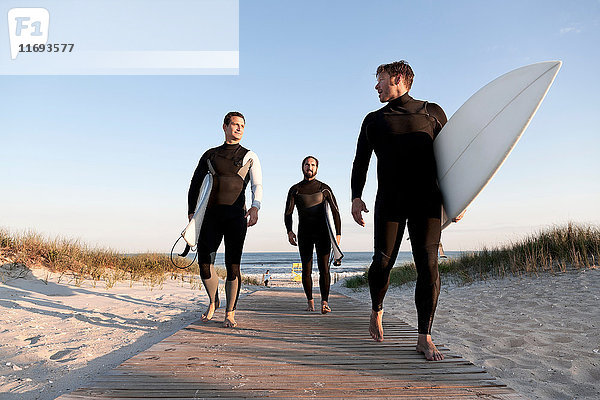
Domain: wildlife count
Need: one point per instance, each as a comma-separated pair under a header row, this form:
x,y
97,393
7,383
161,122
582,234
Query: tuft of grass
x,y
556,249
248,280
357,281
406,272
75,262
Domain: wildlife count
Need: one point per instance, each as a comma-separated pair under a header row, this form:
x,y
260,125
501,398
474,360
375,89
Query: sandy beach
x,y
56,336
538,335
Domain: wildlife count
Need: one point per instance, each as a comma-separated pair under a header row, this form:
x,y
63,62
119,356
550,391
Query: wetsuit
x,y
401,134
309,198
234,167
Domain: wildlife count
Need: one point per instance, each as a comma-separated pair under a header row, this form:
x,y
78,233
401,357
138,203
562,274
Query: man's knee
x,y
426,261
233,272
206,261
381,261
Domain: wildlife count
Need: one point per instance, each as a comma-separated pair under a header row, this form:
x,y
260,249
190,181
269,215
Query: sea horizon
x,y
279,263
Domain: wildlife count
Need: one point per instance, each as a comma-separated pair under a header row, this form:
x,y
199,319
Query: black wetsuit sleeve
x,y
439,114
197,178
289,209
361,161
335,212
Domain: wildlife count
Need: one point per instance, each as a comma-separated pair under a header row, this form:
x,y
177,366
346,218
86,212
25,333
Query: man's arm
x,y
360,168
335,212
255,186
287,216
439,114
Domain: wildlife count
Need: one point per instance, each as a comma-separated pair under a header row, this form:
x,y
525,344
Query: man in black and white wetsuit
x,y
401,134
233,167
309,197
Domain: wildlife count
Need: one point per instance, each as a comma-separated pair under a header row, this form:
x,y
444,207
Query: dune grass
x,y
556,249
77,262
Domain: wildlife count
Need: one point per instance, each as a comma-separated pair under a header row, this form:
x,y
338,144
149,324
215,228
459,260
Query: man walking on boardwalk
x,y
309,197
401,134
232,167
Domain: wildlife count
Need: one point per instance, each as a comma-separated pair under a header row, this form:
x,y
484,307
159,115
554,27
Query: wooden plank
x,y
282,351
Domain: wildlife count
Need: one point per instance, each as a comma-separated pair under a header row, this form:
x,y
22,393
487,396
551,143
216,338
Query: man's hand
x,y
253,214
190,216
358,206
338,238
292,238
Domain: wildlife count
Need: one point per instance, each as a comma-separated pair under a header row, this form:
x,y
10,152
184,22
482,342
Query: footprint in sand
x,y
62,353
34,339
518,342
563,339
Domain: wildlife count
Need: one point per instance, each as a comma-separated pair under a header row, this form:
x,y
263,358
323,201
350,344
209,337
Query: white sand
x,y
538,335
54,337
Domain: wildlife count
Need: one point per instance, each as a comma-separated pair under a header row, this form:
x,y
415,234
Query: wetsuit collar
x,y
405,98
229,145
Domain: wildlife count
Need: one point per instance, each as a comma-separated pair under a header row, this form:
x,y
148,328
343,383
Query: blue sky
x,y
108,159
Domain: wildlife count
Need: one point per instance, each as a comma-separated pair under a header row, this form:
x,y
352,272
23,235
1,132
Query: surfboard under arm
x,y
478,138
191,233
337,252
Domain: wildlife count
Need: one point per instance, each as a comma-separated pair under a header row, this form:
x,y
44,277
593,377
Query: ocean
x,y
279,264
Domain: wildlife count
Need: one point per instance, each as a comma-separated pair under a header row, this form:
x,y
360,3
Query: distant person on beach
x,y
233,167
309,197
401,135
266,278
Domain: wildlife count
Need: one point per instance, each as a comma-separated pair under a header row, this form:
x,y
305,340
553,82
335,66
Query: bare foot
x,y
325,308
376,325
207,316
425,345
311,305
229,320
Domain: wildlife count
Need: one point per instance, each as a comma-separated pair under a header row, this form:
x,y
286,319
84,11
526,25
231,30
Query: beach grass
x,y
77,262
552,250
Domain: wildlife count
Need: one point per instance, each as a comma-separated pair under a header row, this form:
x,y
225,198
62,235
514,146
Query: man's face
x,y
310,168
234,131
389,88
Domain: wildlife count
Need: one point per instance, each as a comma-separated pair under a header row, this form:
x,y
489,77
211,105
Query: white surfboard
x,y
337,252
481,134
191,233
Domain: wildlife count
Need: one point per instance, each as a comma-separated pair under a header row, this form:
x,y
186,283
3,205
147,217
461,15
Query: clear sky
x,y
108,159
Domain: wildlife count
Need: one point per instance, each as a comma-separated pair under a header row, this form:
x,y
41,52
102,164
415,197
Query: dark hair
x,y
307,157
230,114
398,68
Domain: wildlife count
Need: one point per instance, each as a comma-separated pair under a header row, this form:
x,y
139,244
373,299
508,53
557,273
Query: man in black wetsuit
x,y
401,134
232,167
309,196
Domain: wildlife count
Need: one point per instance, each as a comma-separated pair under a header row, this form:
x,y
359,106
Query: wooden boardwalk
x,y
280,351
